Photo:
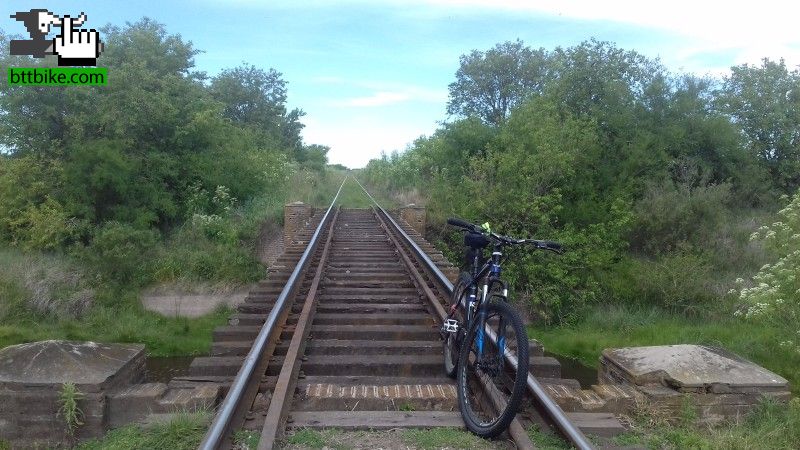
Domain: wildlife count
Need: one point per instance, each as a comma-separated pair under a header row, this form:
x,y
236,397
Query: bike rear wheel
x,y
489,389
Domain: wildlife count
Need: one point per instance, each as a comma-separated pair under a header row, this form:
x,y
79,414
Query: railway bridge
x,y
344,333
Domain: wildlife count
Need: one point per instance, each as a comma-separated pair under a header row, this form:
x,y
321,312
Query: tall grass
x,y
41,284
184,431
771,425
626,326
114,314
314,188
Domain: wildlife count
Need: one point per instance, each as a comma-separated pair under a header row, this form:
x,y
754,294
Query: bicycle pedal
x,y
450,326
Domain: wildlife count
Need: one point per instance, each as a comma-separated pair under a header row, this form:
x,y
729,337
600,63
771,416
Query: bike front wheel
x,y
452,340
489,388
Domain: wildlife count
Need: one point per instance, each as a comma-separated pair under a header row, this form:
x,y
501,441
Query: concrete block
x,y
545,366
134,403
691,368
197,398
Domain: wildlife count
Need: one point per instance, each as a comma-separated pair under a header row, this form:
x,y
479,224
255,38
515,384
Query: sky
x,y
373,75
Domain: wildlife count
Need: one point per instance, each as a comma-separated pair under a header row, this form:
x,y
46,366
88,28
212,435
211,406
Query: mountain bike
x,y
482,331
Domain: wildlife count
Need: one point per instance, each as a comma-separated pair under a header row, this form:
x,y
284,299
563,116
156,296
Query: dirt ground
x,y
195,301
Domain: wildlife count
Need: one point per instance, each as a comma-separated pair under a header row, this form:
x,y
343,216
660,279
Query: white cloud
x,y
752,30
358,140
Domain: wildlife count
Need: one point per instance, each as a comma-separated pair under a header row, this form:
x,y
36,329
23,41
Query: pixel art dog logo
x,y
73,46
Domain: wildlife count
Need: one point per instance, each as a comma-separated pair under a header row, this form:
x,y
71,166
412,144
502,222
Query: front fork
x,y
479,339
481,332
452,325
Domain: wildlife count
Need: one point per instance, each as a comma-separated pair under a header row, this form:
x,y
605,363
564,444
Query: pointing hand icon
x,y
74,46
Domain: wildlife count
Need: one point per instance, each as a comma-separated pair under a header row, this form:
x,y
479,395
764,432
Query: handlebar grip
x,y
550,245
553,245
460,223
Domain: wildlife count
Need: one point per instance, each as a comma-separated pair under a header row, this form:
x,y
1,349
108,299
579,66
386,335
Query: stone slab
x,y
691,367
192,305
91,366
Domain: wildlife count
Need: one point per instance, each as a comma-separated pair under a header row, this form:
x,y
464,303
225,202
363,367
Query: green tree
x,y
257,98
590,153
313,156
764,101
489,84
133,151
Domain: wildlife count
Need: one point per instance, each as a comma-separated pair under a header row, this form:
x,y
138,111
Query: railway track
x,y
343,334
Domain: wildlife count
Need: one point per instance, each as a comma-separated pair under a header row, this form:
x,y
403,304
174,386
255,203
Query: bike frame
x,y
490,274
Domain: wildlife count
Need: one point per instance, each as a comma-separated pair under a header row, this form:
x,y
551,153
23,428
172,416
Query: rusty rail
x,y
550,407
287,380
220,428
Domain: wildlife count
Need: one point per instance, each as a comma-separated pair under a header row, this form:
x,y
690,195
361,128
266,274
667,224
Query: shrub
x,y
774,294
121,252
44,226
680,282
680,215
206,251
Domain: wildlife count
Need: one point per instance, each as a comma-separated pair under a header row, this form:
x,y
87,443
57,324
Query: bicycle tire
x,y
451,342
472,401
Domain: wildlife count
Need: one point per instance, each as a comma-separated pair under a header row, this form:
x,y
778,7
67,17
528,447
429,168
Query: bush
x,y
44,226
121,252
774,294
207,252
675,216
679,282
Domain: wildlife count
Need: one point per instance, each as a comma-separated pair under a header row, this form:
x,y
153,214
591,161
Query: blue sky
x,y
372,75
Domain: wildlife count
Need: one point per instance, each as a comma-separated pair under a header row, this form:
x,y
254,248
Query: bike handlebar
x,y
542,245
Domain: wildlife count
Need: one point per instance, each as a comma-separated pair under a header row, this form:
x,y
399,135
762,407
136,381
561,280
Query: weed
x,y
436,438
309,438
546,441
406,407
183,432
69,410
245,440
688,413
770,425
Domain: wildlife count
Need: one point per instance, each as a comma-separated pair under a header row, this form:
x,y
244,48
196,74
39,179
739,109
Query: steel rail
x,y
562,422
219,429
287,379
